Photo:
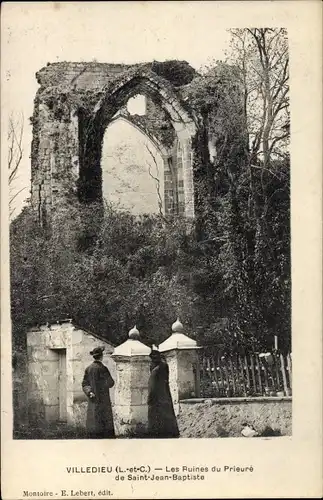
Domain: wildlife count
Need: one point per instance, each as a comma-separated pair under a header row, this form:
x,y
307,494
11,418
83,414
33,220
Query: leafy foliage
x,y
177,72
232,284
136,271
124,270
244,187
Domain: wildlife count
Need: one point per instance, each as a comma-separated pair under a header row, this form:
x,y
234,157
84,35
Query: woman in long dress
x,y
162,421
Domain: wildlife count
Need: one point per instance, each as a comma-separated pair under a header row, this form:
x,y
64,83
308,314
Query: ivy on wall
x,y
229,284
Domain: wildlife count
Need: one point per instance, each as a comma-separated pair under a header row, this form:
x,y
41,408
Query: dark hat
x,y
155,354
97,351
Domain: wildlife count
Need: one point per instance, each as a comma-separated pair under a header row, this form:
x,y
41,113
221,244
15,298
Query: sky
x,y
34,34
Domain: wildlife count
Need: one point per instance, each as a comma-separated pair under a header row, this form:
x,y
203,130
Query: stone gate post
x,y
131,387
182,357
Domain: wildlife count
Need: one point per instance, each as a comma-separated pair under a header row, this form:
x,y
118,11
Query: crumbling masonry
x,y
73,107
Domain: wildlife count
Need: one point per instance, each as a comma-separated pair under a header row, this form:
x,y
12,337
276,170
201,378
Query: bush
x,y
134,270
177,72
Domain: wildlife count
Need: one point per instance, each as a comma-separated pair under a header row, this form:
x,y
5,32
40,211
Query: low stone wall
x,y
207,418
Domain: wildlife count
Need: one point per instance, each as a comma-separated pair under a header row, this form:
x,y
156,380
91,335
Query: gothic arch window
x,y
137,105
80,139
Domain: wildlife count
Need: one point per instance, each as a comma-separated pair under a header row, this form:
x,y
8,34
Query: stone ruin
x,y
73,107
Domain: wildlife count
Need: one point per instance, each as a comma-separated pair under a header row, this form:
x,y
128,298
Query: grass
x,y
59,430
50,431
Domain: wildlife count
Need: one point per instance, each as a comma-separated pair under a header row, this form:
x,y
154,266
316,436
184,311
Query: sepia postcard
x,y
161,250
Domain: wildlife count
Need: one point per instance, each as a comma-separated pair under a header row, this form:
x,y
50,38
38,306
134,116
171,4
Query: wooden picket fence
x,y
243,376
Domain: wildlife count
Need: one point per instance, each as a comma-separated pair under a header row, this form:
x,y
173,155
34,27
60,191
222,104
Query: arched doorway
x,y
70,121
172,122
132,169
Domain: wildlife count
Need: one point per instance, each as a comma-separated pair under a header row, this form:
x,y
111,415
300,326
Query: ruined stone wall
x,y
74,105
55,157
80,75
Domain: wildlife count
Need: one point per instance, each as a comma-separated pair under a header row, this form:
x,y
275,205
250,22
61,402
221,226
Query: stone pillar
x,y
169,188
181,355
187,159
131,387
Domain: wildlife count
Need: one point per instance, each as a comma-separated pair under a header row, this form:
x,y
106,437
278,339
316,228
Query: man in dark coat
x,y
96,384
161,416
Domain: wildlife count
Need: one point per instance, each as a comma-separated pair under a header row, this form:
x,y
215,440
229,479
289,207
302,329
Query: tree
x,y
261,55
230,287
15,155
256,208
136,271
152,163
246,198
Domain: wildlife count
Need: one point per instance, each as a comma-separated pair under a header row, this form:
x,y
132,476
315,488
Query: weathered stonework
x,y
181,355
73,107
132,376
